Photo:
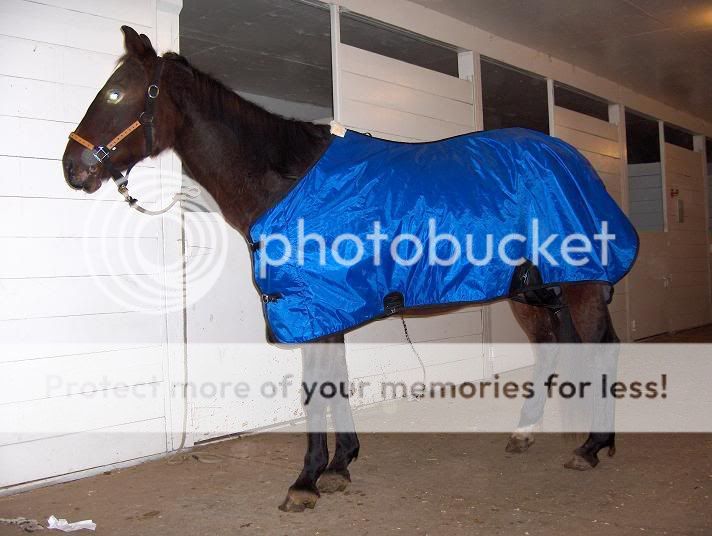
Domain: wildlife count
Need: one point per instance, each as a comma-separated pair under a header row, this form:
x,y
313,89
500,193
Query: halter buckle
x,y
101,153
152,91
146,118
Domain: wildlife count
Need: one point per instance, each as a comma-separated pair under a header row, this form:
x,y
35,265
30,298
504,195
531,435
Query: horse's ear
x,y
137,45
147,42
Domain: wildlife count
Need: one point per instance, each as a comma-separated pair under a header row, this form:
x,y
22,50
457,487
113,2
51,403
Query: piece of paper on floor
x,y
66,526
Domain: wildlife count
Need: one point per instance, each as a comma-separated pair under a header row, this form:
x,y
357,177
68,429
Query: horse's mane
x,y
274,139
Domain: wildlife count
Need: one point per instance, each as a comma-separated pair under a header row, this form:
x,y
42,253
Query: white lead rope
x,y
191,192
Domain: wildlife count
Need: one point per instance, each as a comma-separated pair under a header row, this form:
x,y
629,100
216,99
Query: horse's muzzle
x,y
80,178
69,174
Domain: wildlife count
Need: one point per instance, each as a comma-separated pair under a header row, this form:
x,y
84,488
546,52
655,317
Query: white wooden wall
x,y
61,261
600,142
688,304
646,196
226,343
670,286
396,100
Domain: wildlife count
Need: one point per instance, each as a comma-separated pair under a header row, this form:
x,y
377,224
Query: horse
x,y
248,159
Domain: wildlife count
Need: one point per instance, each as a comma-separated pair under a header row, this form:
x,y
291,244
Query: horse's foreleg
x,y
541,326
337,477
304,493
593,324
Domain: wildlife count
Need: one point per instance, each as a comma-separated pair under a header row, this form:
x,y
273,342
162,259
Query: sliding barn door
x,y
396,100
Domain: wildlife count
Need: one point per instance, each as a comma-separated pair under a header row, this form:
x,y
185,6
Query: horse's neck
x,y
244,166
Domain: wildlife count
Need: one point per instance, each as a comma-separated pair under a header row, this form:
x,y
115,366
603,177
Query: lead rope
x,y
415,352
191,192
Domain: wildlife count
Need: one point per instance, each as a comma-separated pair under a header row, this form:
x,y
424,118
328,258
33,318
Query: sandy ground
x,y
402,484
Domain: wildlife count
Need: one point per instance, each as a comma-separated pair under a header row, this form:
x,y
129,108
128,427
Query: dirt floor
x,y
402,484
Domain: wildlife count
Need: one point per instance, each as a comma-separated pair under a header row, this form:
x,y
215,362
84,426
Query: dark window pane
x,y
643,139
678,137
580,102
512,98
379,38
234,42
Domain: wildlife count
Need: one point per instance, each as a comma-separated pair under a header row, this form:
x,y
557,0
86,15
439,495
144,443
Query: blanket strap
x,y
393,303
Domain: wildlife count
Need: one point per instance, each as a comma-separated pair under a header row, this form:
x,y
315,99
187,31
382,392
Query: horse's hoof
x,y
519,443
333,481
581,463
298,500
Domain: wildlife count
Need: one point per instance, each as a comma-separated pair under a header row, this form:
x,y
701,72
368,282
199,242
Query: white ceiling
x,y
660,48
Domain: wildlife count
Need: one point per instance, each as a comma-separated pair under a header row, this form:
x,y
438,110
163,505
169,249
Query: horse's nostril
x,y
69,174
92,169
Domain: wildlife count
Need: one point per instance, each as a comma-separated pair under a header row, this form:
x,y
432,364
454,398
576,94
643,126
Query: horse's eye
x,y
114,96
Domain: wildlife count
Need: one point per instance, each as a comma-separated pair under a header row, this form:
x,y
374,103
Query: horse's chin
x,y
91,184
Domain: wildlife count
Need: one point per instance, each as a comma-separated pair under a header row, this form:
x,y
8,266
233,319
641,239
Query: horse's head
x,y
117,130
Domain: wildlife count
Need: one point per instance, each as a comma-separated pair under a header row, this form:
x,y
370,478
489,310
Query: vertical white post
x,y
473,61
700,146
663,174
616,116
468,67
170,167
334,11
551,102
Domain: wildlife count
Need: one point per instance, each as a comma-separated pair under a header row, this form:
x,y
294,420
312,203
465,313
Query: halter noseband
x,y
102,153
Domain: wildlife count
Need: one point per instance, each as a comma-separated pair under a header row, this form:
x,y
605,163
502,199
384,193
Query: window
x,y
274,53
581,102
513,98
380,38
645,181
679,137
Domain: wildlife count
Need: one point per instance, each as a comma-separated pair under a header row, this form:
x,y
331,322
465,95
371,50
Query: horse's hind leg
x,y
589,312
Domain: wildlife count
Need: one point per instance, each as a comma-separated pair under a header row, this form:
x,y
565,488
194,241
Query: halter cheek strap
x,y
102,153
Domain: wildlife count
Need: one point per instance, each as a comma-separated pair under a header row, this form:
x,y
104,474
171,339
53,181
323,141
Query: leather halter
x,y
102,153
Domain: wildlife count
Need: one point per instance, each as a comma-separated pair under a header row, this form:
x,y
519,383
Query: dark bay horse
x,y
248,159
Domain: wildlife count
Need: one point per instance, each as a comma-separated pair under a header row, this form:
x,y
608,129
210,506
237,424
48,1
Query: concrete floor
x,y
403,484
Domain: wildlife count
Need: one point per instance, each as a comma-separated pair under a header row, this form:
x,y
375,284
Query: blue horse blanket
x,y
516,194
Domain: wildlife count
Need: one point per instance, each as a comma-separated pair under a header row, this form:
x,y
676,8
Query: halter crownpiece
x,y
102,153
